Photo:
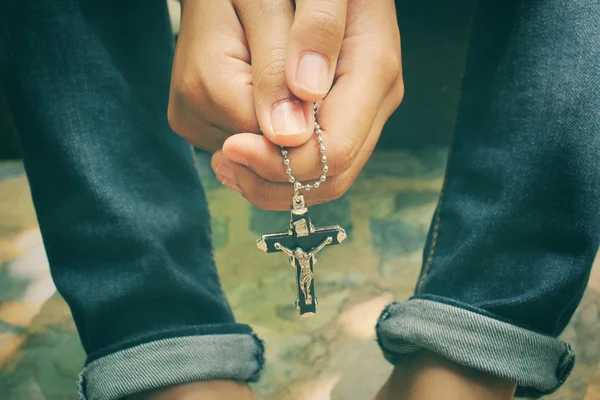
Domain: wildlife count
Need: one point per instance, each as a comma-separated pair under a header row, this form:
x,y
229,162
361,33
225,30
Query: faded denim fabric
x,y
127,230
120,205
517,227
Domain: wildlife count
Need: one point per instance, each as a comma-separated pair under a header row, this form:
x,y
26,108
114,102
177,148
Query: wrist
x,y
425,376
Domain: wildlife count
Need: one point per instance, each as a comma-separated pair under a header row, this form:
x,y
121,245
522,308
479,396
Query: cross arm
x,y
337,234
321,246
267,242
280,247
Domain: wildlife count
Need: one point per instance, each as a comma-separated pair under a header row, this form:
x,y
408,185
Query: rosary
x,y
302,241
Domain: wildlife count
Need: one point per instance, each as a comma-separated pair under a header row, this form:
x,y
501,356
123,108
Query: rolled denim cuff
x,y
539,364
170,362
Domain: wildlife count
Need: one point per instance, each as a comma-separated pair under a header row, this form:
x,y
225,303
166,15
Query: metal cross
x,y
301,242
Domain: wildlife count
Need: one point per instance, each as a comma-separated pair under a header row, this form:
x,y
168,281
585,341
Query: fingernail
x,y
313,73
226,176
288,118
236,158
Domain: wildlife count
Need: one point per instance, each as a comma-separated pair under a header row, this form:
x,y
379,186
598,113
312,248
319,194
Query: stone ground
x,y
330,357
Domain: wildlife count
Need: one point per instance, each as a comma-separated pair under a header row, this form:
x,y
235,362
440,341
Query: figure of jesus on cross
x,y
304,262
301,242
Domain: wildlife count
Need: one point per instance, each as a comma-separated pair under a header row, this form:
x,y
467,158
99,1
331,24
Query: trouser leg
x,y
121,208
518,223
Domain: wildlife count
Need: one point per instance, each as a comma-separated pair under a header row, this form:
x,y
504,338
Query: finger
x,y
264,194
264,158
369,67
315,42
212,76
346,117
283,118
271,195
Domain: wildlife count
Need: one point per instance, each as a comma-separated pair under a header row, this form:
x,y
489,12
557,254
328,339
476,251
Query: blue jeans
x,y
127,229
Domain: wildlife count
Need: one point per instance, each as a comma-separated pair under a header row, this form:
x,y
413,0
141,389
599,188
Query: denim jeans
x,y
517,225
127,230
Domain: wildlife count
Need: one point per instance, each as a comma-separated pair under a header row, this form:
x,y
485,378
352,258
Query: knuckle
x,y
272,70
177,122
189,89
260,203
398,92
244,124
390,68
258,192
173,118
343,154
396,95
271,173
325,22
193,92
339,187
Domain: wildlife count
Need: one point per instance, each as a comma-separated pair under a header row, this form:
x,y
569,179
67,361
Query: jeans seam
x,y
434,238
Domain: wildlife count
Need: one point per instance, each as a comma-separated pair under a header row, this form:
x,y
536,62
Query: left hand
x,y
367,88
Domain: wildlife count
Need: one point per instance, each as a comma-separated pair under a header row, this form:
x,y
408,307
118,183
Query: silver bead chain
x,y
298,186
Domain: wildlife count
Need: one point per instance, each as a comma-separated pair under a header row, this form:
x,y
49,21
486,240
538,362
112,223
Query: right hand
x,y
229,71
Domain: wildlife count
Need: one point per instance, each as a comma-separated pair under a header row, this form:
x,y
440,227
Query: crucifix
x,y
301,242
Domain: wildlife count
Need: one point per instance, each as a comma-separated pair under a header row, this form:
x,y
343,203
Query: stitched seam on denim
x,y
436,227
433,243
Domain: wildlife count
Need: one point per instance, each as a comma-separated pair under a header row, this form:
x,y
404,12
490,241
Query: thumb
x,y
314,45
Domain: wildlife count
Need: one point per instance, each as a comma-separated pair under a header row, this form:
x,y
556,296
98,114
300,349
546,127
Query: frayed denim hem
x,y
539,364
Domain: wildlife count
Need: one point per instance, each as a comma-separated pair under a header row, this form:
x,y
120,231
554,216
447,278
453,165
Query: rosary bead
x,y
298,186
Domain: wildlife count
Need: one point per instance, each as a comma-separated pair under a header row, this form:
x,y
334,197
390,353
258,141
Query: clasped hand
x,y
243,67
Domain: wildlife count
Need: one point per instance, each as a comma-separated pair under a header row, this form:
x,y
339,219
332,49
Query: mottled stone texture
x,y
332,356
